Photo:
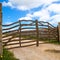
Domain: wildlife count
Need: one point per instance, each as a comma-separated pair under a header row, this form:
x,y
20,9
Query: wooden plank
x,y
51,25
11,27
11,24
11,44
6,32
42,22
10,34
11,40
26,20
28,41
12,47
28,28
28,45
44,25
27,24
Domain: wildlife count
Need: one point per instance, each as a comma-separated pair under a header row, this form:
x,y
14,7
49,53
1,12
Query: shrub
x,y
7,55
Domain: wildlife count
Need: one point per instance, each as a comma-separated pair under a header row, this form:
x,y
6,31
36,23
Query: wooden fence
x,y
28,30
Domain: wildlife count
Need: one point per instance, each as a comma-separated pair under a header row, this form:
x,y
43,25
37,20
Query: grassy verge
x,y
29,37
54,42
7,55
42,39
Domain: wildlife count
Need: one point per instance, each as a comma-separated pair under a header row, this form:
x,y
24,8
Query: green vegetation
x,y
0,57
42,39
7,55
54,42
50,41
29,37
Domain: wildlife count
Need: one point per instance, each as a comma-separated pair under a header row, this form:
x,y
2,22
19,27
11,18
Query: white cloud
x,y
54,7
27,4
25,18
43,15
7,4
55,19
22,7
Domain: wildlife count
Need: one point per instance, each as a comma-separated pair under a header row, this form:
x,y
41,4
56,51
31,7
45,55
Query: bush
x,y
7,55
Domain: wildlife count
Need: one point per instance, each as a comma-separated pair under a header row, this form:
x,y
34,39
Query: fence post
x,y
59,31
37,35
1,48
48,32
20,32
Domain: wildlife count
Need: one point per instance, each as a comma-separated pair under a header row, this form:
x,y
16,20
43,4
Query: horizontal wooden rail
x,y
27,20
27,25
50,25
5,32
10,34
11,27
42,22
28,28
11,24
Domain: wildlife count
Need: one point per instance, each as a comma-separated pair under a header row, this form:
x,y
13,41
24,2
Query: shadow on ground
x,y
52,51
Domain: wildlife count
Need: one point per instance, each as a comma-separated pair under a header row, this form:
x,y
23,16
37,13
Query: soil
x,y
44,51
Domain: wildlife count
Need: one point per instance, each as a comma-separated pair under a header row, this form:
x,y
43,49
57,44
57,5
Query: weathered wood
x,y
10,44
26,20
1,48
6,32
28,28
59,31
20,33
37,35
27,24
43,25
11,24
48,32
11,27
10,34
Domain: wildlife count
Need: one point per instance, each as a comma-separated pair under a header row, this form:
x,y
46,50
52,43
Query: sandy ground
x,y
42,52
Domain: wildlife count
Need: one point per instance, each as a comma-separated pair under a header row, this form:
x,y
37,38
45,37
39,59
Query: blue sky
x,y
43,10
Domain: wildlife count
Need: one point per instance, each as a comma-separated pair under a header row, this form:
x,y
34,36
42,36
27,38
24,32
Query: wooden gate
x,y
27,32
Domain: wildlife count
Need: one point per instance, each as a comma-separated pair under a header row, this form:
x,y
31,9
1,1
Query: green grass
x,y
27,37
7,55
54,42
43,39
50,41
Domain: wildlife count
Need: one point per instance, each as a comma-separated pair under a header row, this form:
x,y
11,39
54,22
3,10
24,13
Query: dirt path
x,y
42,52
